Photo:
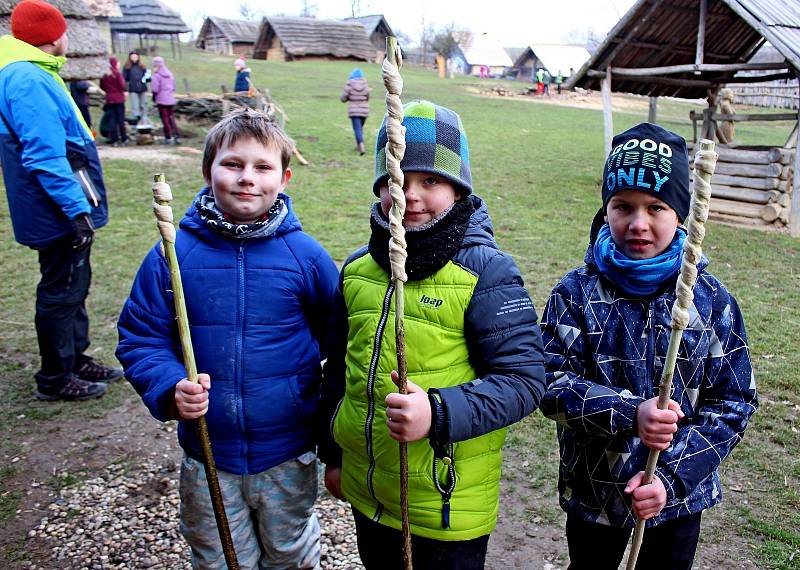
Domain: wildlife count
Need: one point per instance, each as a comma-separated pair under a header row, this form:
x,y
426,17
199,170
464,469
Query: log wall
x,y
752,187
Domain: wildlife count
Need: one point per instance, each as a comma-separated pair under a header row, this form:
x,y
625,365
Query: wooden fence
x,y
777,95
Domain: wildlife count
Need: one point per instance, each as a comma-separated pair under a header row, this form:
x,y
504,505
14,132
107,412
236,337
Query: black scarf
x,y
430,246
220,222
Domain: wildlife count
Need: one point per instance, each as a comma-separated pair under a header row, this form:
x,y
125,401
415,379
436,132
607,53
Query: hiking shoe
x,y
74,390
88,369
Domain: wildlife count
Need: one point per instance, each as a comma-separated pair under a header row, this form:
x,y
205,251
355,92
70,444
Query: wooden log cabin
x,y
229,37
290,39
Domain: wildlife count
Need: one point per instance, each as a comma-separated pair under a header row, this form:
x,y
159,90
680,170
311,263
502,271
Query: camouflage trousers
x,y
270,514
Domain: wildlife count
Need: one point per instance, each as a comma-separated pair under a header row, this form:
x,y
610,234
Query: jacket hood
x,y
13,50
480,230
163,71
191,220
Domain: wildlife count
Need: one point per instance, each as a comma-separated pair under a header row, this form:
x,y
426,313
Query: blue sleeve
x,y
333,382
572,398
727,399
321,278
149,347
505,348
35,115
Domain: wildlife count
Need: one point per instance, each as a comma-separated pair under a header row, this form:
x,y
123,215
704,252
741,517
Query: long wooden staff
x,y
395,149
162,196
705,161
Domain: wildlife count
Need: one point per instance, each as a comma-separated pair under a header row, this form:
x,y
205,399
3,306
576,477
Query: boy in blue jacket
x,y
606,329
258,295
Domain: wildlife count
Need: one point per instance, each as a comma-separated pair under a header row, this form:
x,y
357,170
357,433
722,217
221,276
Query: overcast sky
x,y
516,23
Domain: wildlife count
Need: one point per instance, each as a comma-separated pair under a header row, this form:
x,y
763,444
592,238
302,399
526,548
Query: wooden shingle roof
x,y
309,37
87,57
657,33
147,17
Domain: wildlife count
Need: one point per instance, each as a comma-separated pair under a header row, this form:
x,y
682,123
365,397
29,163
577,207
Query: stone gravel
x,y
127,517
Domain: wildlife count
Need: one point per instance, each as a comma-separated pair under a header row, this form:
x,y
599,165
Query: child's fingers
x,y
676,407
205,381
634,482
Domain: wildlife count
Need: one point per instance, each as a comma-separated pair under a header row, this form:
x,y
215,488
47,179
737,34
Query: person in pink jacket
x,y
163,86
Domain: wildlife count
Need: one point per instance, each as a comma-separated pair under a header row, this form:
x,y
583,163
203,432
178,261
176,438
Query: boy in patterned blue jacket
x,y
606,329
258,295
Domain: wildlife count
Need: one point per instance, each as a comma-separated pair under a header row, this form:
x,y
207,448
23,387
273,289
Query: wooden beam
x,y
701,36
794,211
660,80
675,49
754,117
691,68
623,43
608,119
652,110
761,78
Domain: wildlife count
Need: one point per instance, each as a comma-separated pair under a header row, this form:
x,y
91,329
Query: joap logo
x,y
435,303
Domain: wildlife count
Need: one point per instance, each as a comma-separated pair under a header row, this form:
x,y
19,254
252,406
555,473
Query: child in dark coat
x,y
606,329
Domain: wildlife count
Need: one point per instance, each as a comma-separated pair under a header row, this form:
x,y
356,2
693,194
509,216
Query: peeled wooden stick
x,y
162,196
704,164
395,149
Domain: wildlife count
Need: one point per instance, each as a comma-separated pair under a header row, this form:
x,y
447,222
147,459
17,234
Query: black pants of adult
x,y
116,122
381,548
84,109
62,324
668,546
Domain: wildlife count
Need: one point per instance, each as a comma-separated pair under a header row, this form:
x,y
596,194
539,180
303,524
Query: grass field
x,y
538,166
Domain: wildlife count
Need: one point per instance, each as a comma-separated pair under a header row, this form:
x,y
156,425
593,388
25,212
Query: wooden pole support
x,y
162,196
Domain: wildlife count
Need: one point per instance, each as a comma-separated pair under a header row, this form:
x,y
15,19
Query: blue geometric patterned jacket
x,y
604,356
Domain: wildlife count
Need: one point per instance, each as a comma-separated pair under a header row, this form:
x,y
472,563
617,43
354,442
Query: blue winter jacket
x,y
41,134
257,310
605,355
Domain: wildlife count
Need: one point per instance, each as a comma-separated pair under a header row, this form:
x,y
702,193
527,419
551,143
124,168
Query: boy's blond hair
x,y
244,123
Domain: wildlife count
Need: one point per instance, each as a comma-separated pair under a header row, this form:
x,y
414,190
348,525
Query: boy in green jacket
x,y
475,362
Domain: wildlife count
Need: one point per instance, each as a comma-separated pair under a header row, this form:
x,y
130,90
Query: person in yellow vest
x,y
475,361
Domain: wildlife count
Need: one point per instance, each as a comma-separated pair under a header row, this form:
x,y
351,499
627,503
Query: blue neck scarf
x,y
637,277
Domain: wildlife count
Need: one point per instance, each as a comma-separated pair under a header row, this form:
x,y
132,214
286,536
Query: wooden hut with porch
x,y
377,29
228,37
692,49
148,20
87,55
291,39
553,58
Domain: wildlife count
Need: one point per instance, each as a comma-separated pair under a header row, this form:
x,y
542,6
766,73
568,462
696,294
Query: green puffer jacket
x,y
472,337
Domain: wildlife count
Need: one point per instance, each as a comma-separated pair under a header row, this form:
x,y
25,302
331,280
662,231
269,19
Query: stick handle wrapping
x,y
705,163
162,197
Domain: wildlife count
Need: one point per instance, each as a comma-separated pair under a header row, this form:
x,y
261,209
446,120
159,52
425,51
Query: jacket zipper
x,y
333,417
448,458
651,361
239,342
373,365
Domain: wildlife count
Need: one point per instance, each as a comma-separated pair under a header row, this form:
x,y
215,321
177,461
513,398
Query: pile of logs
x,y
752,186
208,106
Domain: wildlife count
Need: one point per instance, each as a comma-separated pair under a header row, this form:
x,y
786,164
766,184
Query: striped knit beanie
x,y
435,143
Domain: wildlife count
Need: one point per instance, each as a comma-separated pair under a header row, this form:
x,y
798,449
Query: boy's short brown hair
x,y
244,123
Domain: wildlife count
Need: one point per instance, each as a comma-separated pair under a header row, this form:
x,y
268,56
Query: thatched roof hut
x,y
221,35
289,39
553,58
377,29
147,17
87,56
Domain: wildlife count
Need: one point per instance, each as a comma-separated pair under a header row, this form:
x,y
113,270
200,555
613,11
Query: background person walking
x,y
356,95
163,86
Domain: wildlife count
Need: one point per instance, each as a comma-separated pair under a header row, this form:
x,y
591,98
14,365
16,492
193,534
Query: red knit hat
x,y
37,23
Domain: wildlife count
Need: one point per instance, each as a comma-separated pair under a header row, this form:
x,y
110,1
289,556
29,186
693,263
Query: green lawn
x,y
538,167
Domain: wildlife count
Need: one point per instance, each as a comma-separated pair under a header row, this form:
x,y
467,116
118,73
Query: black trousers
x,y
116,122
668,546
381,548
62,324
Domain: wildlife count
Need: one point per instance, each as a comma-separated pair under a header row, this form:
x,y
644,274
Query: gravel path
x,y
123,519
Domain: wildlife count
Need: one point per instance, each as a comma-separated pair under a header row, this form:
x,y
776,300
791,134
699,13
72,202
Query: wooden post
x,y
651,112
172,44
608,120
186,86
794,212
701,36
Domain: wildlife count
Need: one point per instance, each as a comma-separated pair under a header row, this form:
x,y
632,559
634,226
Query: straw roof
x,y
303,37
236,31
147,17
371,23
87,55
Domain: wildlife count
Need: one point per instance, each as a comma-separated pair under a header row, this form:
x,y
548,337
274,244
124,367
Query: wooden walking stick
x,y
705,161
162,196
395,149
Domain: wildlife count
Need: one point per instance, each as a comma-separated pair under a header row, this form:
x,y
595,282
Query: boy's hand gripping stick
x,y
162,196
395,149
705,161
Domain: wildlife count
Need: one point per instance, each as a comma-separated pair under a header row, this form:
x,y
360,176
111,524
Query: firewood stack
x,y
752,186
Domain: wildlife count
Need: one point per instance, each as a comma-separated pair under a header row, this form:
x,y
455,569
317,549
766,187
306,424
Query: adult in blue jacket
x,y
56,195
